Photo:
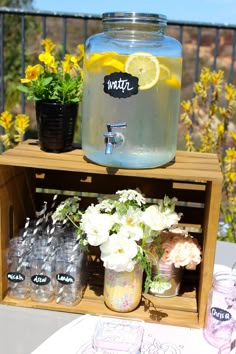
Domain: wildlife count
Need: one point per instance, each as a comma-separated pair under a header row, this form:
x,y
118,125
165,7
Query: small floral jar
x,y
123,290
166,280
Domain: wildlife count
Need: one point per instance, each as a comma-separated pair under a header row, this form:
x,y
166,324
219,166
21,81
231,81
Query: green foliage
x,y
12,47
27,4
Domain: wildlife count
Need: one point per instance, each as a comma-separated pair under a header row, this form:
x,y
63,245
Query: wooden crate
x,y
195,179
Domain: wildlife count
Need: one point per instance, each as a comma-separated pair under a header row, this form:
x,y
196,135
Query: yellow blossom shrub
x,y
210,126
13,129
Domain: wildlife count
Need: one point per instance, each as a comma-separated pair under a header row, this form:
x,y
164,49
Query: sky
x,y
210,11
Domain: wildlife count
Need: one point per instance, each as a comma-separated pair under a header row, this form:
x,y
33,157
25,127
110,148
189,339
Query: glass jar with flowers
x,y
123,226
175,249
56,87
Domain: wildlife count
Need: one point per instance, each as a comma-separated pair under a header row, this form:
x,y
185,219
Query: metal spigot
x,y
113,138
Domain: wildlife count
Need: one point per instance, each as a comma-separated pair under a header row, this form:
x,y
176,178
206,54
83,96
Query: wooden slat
x,y
188,166
149,311
107,184
210,228
16,202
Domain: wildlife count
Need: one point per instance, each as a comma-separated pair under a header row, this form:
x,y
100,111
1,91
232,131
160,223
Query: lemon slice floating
x,y
169,78
114,63
110,59
145,67
164,72
174,82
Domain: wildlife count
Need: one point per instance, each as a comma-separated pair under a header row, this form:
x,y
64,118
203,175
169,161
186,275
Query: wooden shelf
x,y
28,176
188,166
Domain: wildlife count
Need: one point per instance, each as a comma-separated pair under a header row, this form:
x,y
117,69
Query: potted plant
x,y
123,226
56,86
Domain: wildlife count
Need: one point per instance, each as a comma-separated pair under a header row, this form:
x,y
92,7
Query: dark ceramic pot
x,y
56,125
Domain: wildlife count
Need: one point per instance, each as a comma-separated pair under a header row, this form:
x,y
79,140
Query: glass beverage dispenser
x,y
132,80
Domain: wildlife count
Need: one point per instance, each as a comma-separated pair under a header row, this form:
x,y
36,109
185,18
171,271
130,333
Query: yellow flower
x,y
231,177
6,120
189,143
233,136
21,122
217,77
230,154
81,52
205,76
70,62
230,92
48,59
220,129
14,128
223,112
66,63
48,45
186,105
200,90
32,73
213,109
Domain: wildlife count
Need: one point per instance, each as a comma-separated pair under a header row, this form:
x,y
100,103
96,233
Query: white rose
x,y
157,220
130,223
96,226
117,253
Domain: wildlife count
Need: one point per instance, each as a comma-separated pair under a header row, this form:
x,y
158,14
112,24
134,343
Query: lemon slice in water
x,y
169,78
145,67
164,72
174,82
110,59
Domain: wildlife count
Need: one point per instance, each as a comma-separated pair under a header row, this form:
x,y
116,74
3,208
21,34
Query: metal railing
x,y
217,40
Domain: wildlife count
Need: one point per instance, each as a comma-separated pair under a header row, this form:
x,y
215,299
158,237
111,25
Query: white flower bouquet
x,y
122,226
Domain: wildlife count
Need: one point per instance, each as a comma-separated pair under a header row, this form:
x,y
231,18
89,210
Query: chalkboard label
x,y
39,279
220,314
120,85
15,277
65,278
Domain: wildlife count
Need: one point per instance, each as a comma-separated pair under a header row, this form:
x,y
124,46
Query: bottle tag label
x,y
15,277
120,85
220,314
65,278
39,279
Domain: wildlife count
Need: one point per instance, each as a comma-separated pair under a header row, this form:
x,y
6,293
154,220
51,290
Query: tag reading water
x,y
120,85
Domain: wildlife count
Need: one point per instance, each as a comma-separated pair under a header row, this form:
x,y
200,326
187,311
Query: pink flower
x,y
181,249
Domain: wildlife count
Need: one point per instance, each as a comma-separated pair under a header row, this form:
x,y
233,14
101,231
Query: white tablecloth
x,y
76,338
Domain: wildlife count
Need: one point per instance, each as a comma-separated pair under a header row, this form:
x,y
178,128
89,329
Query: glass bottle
x,y
132,80
18,274
221,310
42,268
70,274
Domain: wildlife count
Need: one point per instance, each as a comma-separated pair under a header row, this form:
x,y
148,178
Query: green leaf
x,y
47,81
22,88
